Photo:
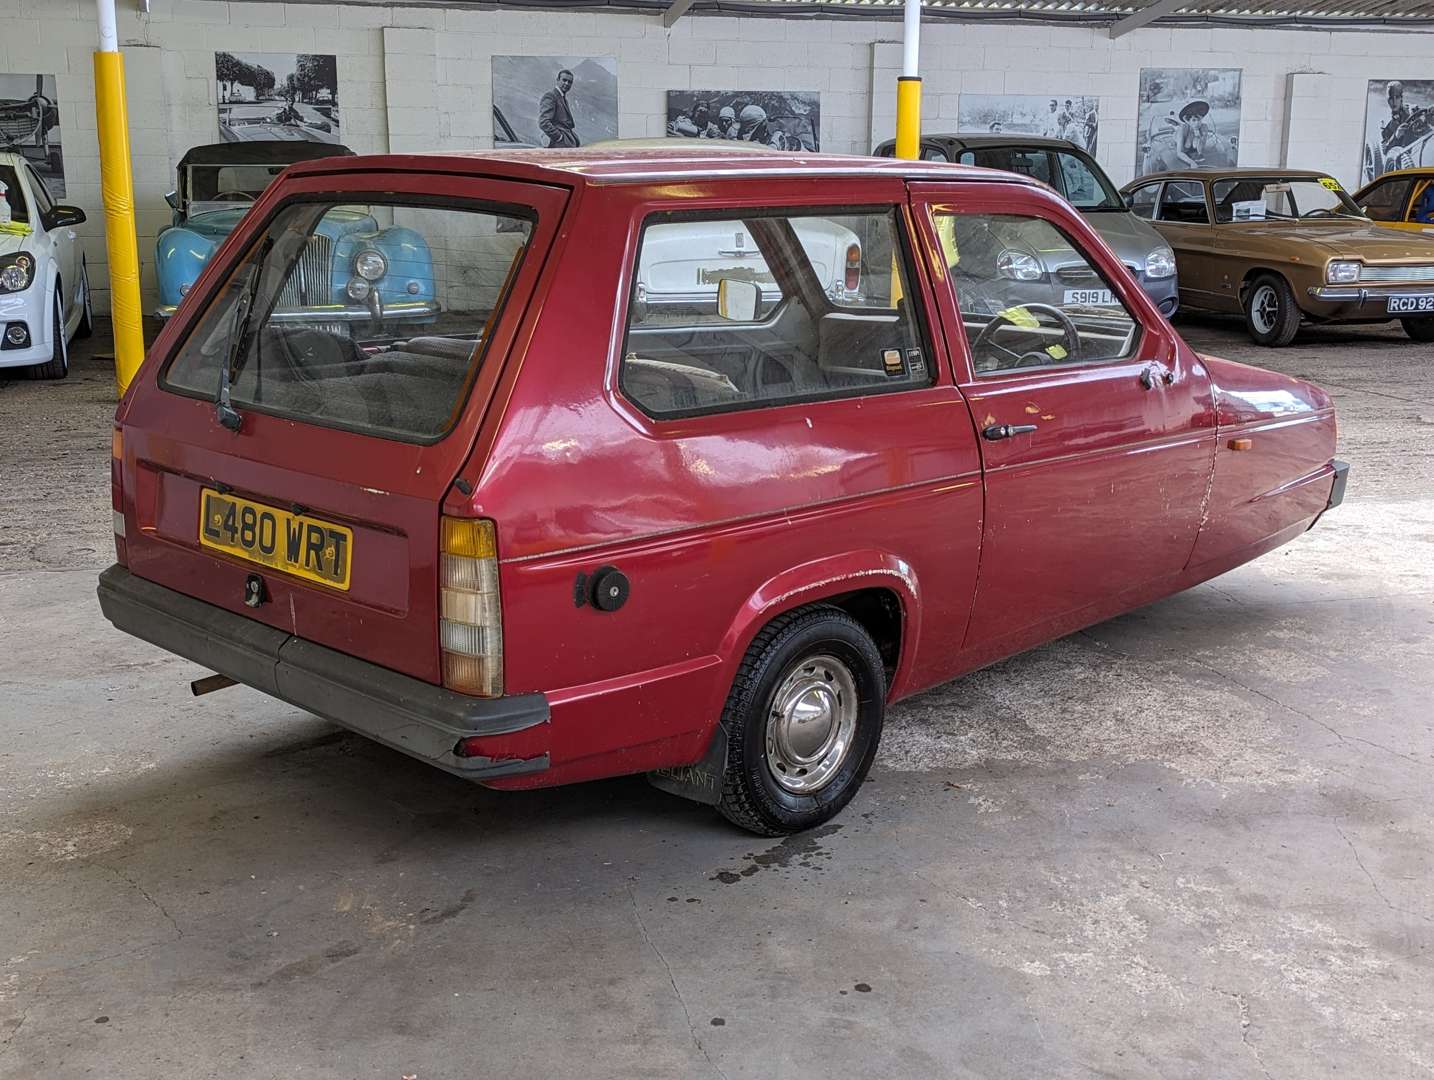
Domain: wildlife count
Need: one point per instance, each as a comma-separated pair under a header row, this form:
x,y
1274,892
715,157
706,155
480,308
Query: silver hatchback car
x,y
1076,175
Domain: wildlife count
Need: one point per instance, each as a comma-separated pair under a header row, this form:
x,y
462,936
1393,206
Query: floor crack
x,y
1373,884
672,981
117,872
1244,1010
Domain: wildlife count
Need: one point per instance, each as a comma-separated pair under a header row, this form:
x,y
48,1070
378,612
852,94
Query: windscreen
x,y
223,187
366,316
1276,199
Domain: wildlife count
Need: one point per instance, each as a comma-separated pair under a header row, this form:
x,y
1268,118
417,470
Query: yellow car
x,y
1403,199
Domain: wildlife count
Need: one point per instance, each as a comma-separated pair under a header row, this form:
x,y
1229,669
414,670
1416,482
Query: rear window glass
x,y
366,316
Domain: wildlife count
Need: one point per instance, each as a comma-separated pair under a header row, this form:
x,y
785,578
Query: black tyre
x,y
58,366
803,722
1271,315
87,312
1421,328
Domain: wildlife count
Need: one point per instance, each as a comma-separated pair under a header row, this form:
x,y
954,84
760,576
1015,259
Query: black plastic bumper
x,y
418,718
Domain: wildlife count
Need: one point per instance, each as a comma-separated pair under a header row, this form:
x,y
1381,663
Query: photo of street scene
x,y
780,119
1188,118
1054,116
289,96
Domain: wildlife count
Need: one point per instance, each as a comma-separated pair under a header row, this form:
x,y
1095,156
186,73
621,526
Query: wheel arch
x,y
876,588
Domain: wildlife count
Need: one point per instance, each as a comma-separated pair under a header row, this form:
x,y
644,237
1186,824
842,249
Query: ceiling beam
x,y
1146,15
675,12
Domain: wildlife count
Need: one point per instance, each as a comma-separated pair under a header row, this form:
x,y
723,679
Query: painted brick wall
x,y
419,77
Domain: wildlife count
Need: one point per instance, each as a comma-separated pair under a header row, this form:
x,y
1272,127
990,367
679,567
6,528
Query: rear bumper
x,y
407,714
1336,489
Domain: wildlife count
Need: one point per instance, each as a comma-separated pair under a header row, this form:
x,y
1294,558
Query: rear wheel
x,y
87,312
1420,329
803,722
1271,315
58,366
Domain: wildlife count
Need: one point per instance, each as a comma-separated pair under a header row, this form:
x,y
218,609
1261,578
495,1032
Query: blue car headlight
x,y
1160,263
16,272
370,264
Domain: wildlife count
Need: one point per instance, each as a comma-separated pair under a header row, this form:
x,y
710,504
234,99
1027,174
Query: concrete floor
x,y
1196,841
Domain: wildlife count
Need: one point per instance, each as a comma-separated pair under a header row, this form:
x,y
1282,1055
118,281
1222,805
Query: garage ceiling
x,y
1123,15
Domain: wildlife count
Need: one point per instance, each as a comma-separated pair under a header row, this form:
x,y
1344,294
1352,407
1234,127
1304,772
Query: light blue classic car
x,y
351,269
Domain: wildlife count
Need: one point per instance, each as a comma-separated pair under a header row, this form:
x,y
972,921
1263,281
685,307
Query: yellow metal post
x,y
117,188
908,86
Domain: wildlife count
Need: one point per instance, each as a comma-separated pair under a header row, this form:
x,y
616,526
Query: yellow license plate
x,y
279,539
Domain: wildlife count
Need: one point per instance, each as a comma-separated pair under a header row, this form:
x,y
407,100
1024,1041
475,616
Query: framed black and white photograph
x,y
30,126
1073,117
1187,118
1398,126
781,119
290,96
553,101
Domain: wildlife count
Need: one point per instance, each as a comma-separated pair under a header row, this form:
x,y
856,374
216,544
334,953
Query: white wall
x,y
419,77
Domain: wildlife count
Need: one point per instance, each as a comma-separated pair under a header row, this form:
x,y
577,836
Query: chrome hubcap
x,y
1264,309
811,723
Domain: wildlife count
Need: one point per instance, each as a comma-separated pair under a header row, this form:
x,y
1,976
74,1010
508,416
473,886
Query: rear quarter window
x,y
367,316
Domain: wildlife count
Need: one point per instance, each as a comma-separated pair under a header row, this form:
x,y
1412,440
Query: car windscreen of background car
x,y
1273,199
13,195
368,317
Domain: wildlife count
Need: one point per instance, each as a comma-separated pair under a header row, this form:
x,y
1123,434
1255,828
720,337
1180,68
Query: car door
x,y
1386,201
1096,423
1182,216
64,246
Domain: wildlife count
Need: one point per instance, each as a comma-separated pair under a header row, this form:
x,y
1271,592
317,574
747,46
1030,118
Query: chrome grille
x,y
311,280
1397,273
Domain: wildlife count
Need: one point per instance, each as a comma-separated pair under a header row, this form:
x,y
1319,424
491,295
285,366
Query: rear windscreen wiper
x,y
227,415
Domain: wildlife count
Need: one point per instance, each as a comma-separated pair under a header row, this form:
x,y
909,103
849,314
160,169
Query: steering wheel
x,y
233,196
985,340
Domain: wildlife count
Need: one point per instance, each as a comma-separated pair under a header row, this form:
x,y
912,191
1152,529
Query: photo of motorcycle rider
x,y
1401,138
781,120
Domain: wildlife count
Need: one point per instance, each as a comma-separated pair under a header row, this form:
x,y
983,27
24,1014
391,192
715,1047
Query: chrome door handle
x,y
1005,431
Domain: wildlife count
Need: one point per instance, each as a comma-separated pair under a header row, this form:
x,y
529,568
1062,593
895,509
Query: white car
x,y
44,288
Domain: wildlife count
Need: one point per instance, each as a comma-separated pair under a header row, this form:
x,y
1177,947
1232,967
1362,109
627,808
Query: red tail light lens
x,y
853,268
117,494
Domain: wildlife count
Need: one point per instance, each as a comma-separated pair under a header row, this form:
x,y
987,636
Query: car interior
x,y
804,346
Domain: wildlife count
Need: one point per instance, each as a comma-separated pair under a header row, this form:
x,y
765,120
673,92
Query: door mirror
x,y
1129,199
738,300
172,197
63,217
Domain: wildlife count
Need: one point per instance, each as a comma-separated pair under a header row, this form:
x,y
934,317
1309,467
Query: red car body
x,y
1142,477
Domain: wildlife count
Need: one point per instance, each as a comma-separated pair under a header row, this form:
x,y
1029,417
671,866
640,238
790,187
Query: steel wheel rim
x,y
810,724
1264,309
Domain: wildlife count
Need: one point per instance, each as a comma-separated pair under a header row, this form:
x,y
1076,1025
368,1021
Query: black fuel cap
x,y
609,588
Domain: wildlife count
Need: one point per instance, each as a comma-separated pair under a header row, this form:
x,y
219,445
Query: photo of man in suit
x,y
555,117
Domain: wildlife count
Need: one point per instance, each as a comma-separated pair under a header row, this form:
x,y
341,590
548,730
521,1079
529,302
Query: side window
x,y
1035,163
932,152
1142,201
806,306
42,194
1422,209
1385,201
1028,295
1184,203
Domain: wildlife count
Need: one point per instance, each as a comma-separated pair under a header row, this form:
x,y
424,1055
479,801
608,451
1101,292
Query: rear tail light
x,y
117,494
853,268
470,624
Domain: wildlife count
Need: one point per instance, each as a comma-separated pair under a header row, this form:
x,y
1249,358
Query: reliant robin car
x,y
557,535
1283,248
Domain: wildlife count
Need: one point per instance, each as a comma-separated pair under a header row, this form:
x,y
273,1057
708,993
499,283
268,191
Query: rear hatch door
x,y
357,406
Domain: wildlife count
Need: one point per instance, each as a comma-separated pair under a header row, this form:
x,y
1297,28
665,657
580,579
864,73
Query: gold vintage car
x,y
1282,247
1403,199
